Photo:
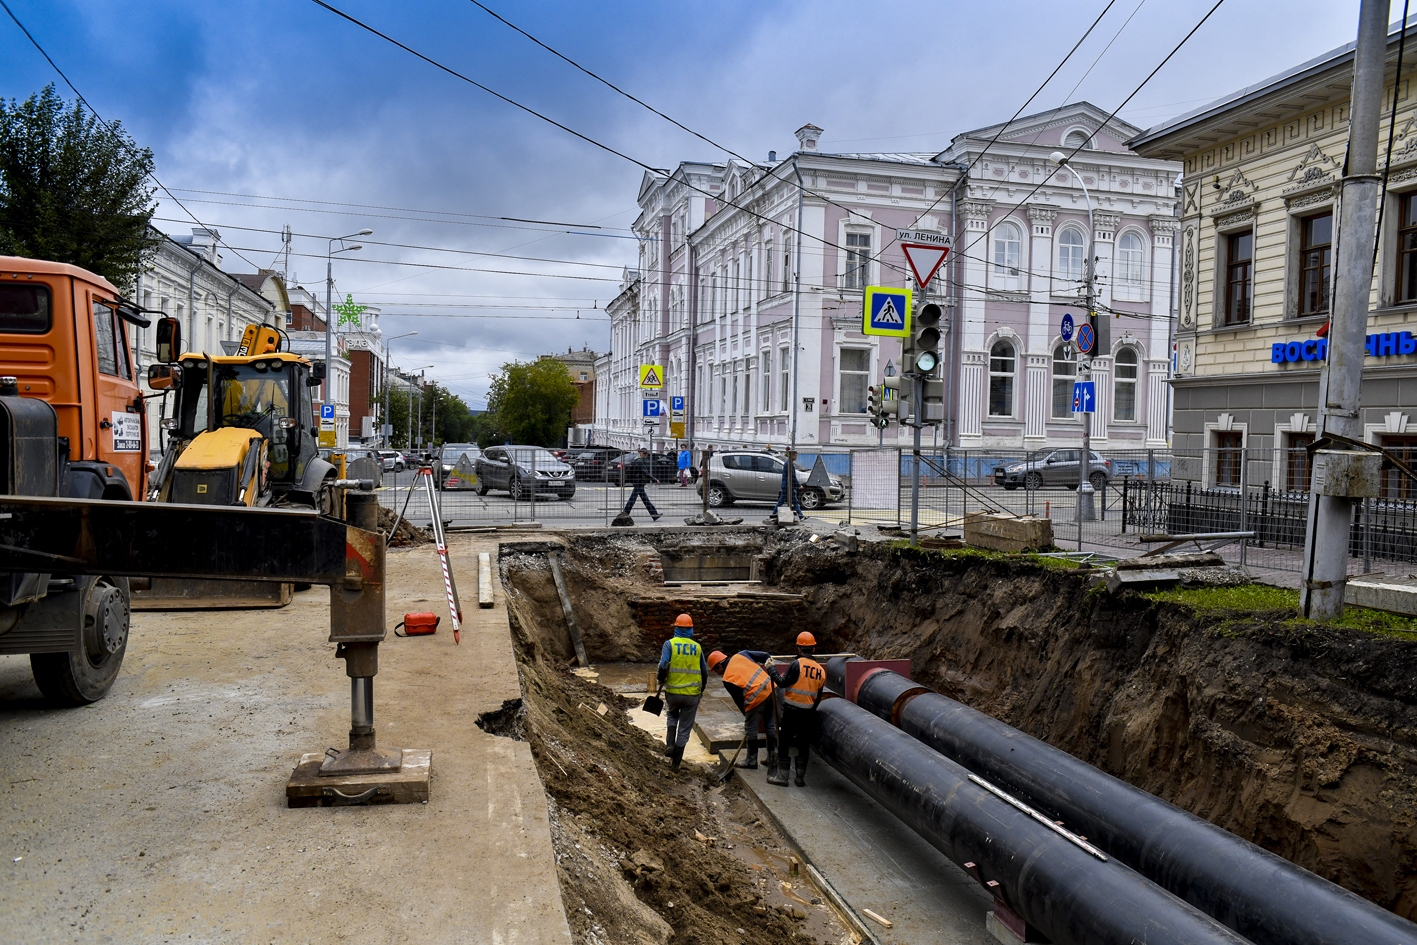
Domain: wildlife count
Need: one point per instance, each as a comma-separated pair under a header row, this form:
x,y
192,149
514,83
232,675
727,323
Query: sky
x,y
257,109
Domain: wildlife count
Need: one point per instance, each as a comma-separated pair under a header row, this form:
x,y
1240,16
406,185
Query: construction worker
x,y
801,683
751,687
683,675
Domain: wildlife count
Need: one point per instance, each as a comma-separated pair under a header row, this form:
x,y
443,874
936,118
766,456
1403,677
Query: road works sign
x,y
652,375
886,312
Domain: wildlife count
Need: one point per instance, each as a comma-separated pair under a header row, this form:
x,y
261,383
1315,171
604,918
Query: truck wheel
x,y
81,677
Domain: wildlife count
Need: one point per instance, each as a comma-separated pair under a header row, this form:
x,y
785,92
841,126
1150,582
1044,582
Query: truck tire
x,y
84,676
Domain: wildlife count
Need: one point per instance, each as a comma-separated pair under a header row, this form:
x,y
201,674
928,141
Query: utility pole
x,y
1340,383
1086,510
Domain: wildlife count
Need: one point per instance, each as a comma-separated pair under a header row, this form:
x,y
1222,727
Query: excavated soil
x,y
645,854
1298,737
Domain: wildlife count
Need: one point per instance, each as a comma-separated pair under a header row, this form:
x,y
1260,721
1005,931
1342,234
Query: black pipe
x,y
1048,880
1264,897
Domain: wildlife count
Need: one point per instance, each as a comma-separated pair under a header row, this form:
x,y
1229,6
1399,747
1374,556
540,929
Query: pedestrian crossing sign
x,y
887,312
652,375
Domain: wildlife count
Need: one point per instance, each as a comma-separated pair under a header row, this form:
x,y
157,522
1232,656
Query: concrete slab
x,y
159,813
875,862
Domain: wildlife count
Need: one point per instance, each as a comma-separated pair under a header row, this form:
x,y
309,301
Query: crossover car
x,y
1058,468
752,475
523,471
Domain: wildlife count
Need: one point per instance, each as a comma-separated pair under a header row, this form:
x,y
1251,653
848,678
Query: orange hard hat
x,y
806,639
716,659
684,620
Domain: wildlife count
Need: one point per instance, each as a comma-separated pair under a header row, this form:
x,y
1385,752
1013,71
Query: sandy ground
x,y
158,814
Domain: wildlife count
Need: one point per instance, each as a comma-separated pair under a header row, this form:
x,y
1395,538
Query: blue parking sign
x,y
327,411
676,404
651,409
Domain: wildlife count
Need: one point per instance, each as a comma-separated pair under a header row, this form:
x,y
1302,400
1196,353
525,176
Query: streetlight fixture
x,y
1086,509
388,436
330,252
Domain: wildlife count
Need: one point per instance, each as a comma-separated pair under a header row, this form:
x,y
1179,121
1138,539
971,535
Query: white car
x,y
393,460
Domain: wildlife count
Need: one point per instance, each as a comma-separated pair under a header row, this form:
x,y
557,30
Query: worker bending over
x,y
801,682
683,675
751,687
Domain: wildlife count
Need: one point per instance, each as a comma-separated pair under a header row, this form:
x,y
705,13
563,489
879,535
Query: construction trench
x,y
1301,740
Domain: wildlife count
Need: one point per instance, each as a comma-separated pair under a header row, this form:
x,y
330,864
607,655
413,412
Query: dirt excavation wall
x,y
1299,738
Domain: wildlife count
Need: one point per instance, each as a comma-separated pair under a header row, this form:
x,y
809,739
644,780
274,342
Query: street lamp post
x,y
330,252
387,438
420,406
1086,510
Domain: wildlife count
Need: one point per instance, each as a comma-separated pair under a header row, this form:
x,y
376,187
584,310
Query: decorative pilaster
x,y
1157,419
971,397
1040,257
1038,391
1102,419
1163,233
1104,233
976,215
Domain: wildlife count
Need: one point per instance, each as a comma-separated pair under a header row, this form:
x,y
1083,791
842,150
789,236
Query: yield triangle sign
x,y
924,260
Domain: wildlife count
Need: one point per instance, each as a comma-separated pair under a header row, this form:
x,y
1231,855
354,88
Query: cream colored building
x,y
1258,221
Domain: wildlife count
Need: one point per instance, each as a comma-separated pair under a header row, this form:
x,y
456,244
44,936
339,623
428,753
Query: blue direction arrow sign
x,y
1087,339
1084,396
651,409
1067,327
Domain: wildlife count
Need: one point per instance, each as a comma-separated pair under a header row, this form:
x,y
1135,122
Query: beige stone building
x,y
1262,169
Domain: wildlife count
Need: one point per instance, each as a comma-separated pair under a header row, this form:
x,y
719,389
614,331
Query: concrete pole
x,y
329,301
1331,517
1086,510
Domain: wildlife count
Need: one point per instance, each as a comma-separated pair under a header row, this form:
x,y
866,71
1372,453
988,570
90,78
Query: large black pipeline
x,y
1264,897
1050,881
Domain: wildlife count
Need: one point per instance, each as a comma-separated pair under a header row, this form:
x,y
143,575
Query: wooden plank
x,y
878,918
565,596
484,579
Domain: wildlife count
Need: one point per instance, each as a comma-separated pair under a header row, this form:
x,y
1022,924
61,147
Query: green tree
x,y
531,402
74,190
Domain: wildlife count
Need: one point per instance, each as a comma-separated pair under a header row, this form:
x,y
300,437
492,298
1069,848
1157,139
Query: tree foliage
x,y
73,189
530,403
455,422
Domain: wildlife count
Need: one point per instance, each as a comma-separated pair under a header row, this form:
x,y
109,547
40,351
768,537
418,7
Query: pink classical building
x,y
748,289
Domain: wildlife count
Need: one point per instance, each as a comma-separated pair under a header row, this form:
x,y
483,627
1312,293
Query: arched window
x,y
1001,379
1065,371
1130,259
1124,385
1071,249
1006,249
1077,139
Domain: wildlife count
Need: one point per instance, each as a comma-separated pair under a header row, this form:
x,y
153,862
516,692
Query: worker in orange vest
x,y
751,686
800,682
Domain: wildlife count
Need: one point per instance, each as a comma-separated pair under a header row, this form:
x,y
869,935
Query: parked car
x,y
595,464
393,460
749,475
521,469
1058,468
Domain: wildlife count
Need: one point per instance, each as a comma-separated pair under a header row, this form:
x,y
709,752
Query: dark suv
x,y
594,464
524,471
1058,468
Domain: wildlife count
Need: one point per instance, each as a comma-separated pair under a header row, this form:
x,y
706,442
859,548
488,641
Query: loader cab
x,y
269,394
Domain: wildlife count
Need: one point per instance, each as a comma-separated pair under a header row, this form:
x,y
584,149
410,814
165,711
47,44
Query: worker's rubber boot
x,y
676,755
801,777
776,775
749,763
669,738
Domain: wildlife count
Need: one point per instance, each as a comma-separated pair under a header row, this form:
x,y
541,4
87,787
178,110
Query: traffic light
x,y
895,403
873,405
924,356
932,401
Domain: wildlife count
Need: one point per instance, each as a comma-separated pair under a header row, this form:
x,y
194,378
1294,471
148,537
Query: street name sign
x,y
1084,396
1067,326
652,375
886,312
924,237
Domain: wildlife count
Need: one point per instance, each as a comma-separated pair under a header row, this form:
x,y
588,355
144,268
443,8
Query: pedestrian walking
x,y
685,461
752,689
638,472
801,683
788,492
683,675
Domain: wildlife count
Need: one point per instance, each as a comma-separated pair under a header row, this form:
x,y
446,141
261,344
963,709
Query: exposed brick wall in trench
x,y
729,624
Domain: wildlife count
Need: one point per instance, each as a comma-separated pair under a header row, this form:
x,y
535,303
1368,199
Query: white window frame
x,y
1072,377
1118,381
1069,276
784,370
1012,375
1011,250
841,373
856,264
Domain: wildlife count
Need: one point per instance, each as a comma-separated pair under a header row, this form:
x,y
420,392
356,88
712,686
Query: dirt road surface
x,y
158,814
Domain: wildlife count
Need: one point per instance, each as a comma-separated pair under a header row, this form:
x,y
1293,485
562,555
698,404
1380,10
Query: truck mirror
x,y
164,377
317,373
169,340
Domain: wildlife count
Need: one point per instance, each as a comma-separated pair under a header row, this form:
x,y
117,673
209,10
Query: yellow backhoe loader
x,y
241,432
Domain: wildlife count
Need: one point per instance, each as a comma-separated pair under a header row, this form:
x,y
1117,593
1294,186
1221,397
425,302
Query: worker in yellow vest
x,y
683,674
751,686
800,682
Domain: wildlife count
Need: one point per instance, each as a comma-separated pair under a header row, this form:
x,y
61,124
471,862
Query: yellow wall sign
x,y
886,312
652,375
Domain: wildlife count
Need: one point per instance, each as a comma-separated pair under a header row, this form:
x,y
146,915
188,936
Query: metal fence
x,y
1142,493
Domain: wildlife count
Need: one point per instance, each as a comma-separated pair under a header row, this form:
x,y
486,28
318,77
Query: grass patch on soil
x,y
1261,599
